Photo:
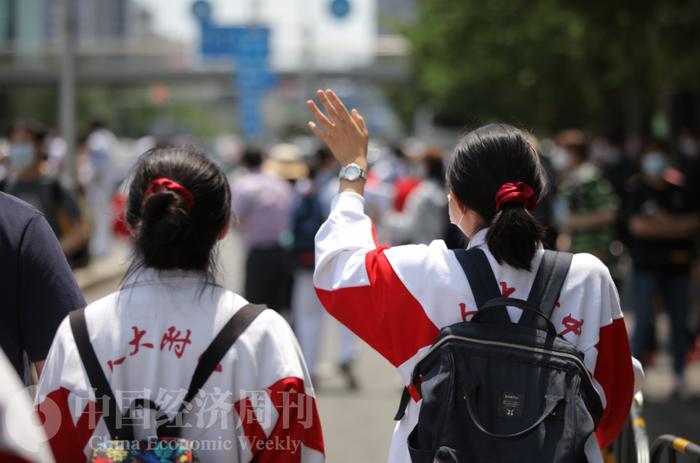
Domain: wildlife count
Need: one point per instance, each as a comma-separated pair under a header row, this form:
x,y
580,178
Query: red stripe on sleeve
x,y
614,372
6,457
67,440
298,423
384,313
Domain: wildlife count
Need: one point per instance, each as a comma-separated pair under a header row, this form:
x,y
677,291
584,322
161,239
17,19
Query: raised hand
x,y
343,131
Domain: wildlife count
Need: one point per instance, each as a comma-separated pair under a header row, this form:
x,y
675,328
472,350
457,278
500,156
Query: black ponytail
x,y
483,161
164,219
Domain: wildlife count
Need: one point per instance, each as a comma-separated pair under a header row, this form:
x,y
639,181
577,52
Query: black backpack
x,y
498,392
306,221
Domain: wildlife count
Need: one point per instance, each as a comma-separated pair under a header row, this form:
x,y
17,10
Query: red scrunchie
x,y
520,193
162,184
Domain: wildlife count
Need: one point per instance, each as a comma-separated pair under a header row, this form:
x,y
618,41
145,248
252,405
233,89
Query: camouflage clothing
x,y
585,191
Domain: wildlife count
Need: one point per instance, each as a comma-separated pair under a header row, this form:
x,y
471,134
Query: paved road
x,y
358,425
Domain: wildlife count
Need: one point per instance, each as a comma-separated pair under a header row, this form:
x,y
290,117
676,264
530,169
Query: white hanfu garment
x,y
397,299
258,403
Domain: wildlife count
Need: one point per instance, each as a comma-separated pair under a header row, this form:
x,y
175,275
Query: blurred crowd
x,y
633,202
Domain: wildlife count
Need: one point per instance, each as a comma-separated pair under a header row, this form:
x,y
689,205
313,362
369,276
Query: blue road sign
x,y
201,9
340,8
218,42
249,49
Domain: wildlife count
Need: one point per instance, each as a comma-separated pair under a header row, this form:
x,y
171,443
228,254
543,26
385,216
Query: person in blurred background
x,y
587,200
422,217
262,206
30,181
37,286
101,144
544,212
310,211
663,222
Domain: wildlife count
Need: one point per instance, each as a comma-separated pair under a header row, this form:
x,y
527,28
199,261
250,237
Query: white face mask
x,y
561,160
654,164
21,155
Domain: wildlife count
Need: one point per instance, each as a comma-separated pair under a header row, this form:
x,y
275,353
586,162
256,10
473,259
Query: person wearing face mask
x,y
29,180
588,202
399,298
663,222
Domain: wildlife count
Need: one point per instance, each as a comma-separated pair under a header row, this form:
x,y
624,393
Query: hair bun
x,y
164,217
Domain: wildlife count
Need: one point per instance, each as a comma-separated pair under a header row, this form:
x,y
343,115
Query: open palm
x,y
343,131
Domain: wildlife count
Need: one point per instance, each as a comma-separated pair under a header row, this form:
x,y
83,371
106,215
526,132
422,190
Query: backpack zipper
x,y
515,346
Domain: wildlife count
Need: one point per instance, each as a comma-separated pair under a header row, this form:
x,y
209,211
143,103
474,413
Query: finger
x,y
318,114
318,132
359,120
328,106
338,104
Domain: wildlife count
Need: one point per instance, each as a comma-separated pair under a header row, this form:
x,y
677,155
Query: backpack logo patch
x,y
511,404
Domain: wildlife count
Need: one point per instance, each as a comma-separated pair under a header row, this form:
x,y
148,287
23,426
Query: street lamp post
x,y
67,92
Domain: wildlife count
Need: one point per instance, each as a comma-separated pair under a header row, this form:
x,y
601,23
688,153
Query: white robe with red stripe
x,y
397,299
148,337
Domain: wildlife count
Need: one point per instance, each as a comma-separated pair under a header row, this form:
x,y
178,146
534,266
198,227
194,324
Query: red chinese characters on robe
x,y
571,325
174,341
112,363
136,341
505,290
464,312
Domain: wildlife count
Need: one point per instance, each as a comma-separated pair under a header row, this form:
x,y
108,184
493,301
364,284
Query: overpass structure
x,y
131,66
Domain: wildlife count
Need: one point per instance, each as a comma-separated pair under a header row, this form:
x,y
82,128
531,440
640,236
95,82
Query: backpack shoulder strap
x,y
484,287
211,357
103,392
478,270
548,283
482,281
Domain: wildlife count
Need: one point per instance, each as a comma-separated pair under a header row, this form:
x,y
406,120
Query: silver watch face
x,y
352,172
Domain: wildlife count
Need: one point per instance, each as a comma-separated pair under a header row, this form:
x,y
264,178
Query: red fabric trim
x,y
615,374
69,440
298,423
384,313
11,458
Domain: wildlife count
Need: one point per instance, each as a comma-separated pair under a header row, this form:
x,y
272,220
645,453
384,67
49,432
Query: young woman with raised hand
x,y
397,299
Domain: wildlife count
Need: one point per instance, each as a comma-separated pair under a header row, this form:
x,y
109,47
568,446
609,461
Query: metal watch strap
x,y
343,170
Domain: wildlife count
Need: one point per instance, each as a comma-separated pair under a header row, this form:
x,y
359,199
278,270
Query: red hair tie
x,y
519,193
165,184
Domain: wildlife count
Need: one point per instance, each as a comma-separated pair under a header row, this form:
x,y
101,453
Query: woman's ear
x,y
224,232
456,203
130,229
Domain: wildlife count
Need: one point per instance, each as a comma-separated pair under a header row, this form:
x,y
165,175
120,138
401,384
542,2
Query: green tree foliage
x,y
549,64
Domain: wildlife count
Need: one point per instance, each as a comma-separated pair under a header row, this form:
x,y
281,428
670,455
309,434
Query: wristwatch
x,y
352,172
